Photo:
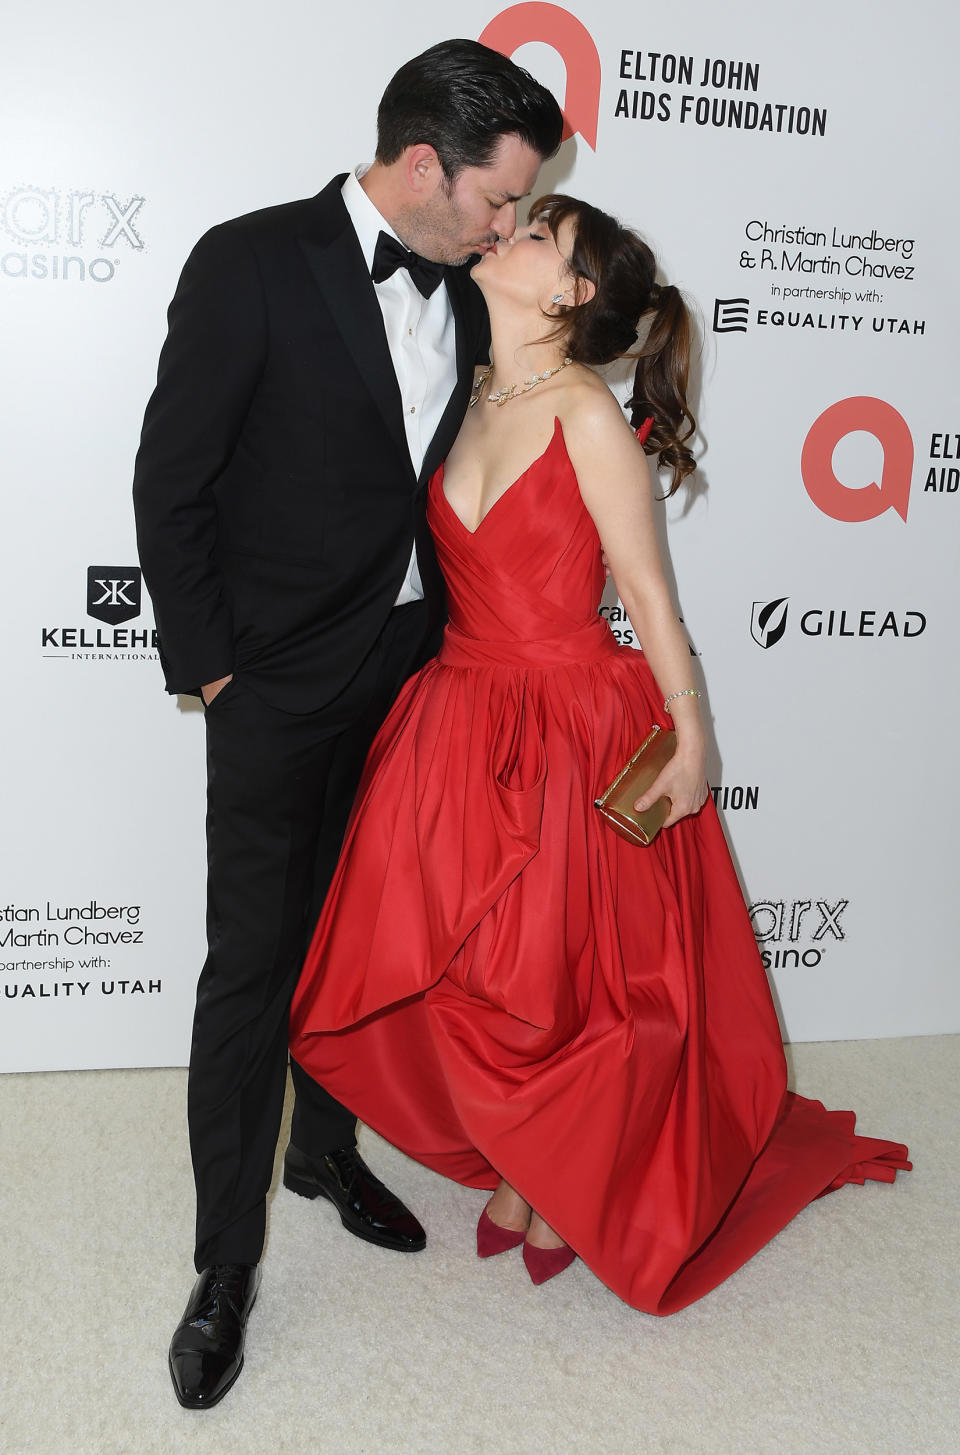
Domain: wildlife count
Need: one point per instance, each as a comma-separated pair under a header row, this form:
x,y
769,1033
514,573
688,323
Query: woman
x,y
498,984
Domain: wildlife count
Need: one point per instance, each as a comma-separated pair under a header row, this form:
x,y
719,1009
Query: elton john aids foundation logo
x,y
855,501
556,27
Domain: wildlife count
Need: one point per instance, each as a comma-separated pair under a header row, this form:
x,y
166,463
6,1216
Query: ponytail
x,y
660,383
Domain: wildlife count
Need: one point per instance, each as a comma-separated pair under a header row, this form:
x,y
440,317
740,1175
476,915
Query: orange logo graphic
x,y
556,27
845,502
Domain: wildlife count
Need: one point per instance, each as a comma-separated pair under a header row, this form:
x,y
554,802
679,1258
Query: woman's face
x,y
530,268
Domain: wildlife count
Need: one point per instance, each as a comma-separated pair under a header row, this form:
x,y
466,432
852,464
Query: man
x,y
318,364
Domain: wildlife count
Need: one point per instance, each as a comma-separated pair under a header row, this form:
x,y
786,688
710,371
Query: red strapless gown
x,y
501,986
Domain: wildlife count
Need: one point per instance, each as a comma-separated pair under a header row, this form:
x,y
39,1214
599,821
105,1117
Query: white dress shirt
x,y
421,335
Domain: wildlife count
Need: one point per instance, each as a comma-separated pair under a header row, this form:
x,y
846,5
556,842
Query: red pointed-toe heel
x,y
544,1263
491,1238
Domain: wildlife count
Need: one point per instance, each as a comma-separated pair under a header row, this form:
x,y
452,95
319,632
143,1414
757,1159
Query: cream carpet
x,y
842,1335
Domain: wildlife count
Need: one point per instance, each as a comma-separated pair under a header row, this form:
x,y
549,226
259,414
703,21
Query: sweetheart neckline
x,y
557,430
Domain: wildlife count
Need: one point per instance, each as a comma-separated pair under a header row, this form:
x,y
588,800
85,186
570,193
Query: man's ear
x,y
422,171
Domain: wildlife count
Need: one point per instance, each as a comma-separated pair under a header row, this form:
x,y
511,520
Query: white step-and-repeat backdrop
x,y
796,173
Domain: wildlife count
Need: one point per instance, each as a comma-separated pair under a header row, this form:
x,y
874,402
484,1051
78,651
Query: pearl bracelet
x,y
687,692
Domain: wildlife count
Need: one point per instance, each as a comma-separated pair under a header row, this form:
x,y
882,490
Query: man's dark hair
x,y
461,98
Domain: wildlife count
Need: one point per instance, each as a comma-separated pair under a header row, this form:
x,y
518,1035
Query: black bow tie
x,y
389,255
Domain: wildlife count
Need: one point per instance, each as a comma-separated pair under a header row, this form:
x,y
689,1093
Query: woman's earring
x,y
557,298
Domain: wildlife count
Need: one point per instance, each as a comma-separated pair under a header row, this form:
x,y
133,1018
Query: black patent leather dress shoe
x,y
206,1351
366,1207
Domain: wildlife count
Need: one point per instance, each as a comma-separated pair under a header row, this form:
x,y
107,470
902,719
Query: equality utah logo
x,y
556,27
731,315
113,593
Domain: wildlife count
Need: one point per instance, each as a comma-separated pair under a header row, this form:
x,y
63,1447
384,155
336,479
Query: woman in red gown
x,y
498,984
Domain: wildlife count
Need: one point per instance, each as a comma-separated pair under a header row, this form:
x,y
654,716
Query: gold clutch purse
x,y
616,805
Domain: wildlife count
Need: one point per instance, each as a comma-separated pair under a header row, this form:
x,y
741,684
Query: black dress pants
x,y
279,790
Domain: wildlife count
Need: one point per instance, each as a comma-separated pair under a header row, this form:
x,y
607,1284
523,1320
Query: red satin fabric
x,y
501,986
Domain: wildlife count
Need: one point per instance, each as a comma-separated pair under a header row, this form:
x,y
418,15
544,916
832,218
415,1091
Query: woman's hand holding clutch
x,y
683,781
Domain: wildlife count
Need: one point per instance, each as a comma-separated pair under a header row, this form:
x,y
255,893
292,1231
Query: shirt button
x,y
410,332
413,409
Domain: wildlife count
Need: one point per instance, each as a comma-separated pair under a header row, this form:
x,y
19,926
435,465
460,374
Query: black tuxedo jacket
x,y
275,497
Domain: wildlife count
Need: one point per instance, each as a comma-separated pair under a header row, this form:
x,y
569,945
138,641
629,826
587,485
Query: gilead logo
x,y
866,502
556,27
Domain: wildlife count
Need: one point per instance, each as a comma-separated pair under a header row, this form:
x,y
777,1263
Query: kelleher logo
x,y
768,621
55,231
113,593
860,414
731,315
556,27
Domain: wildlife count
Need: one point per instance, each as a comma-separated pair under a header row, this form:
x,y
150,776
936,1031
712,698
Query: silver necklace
x,y
500,397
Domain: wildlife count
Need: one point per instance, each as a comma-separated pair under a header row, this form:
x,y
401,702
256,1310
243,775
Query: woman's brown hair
x,y
603,328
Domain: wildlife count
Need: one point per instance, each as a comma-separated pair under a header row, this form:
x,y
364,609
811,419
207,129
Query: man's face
x,y
452,224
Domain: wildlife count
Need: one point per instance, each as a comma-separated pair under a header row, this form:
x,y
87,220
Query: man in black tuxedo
x,y
318,364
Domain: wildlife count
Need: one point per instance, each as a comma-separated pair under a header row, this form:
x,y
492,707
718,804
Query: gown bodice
x,y
524,587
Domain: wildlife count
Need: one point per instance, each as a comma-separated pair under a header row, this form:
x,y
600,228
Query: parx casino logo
x,y
59,235
796,934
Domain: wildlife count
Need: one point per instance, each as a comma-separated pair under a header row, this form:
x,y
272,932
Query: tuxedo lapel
x,y
336,262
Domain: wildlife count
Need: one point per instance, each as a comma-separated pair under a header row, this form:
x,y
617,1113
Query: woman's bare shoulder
x,y
591,414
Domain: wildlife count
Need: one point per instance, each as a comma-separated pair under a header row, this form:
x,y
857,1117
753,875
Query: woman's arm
x,y
616,486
